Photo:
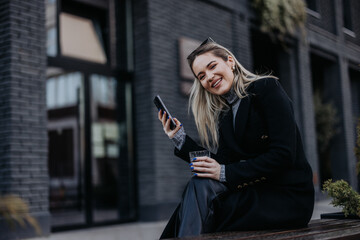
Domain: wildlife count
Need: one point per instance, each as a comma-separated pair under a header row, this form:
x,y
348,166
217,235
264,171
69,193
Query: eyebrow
x,y
206,67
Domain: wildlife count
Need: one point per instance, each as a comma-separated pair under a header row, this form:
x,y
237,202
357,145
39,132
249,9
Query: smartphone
x,y
160,105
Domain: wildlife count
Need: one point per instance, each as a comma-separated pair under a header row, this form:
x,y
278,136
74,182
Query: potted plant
x,y
16,212
343,195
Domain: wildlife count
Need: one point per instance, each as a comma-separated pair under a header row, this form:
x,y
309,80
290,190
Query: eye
x,y
201,77
213,66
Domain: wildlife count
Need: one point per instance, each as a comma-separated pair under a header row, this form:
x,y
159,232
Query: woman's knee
x,y
206,184
198,182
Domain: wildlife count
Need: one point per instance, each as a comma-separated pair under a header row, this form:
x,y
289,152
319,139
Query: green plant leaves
x,y
343,196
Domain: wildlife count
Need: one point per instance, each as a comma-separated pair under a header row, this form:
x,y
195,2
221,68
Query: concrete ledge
x,y
157,212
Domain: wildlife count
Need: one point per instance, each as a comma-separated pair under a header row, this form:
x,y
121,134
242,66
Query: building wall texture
x,y
158,25
325,20
23,145
162,176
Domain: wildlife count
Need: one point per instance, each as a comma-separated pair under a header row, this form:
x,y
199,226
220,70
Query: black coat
x,y
268,177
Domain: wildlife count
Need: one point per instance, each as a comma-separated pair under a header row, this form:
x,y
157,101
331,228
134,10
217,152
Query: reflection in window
x,y
51,28
65,104
103,90
79,39
105,138
62,90
105,147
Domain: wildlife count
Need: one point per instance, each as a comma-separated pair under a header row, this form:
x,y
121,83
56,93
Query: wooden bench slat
x,y
317,229
311,231
345,234
308,233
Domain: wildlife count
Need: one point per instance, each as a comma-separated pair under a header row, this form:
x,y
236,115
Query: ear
x,y
230,61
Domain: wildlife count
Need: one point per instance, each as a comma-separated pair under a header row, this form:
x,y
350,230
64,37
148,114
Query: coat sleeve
x,y
189,146
279,118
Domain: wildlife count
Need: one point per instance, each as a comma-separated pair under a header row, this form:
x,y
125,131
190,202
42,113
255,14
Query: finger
x,y
203,170
167,125
163,119
199,163
206,175
203,165
174,131
160,114
203,159
198,174
177,122
177,125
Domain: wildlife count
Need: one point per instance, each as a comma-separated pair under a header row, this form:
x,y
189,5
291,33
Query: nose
x,y
211,77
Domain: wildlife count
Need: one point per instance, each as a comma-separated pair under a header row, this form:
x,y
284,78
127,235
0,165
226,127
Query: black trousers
x,y
209,206
195,213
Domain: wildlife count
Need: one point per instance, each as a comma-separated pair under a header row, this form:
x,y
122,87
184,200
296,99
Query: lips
x,y
216,83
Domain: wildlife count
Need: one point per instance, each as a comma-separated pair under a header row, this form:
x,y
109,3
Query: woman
x,y
259,178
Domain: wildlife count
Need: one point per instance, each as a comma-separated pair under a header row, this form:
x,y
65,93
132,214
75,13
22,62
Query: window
x,y
51,26
62,90
77,30
347,14
312,5
79,39
89,113
312,8
61,153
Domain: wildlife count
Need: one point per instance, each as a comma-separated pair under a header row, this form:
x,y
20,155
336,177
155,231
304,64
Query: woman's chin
x,y
221,91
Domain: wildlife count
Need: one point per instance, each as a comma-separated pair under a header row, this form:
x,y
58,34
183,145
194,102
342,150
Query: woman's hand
x,y
206,167
166,124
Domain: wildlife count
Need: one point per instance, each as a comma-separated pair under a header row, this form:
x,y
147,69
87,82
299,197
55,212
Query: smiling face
x,y
214,74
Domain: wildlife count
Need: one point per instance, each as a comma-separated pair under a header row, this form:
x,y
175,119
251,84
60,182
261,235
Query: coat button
x,y
264,137
239,186
263,178
257,181
245,185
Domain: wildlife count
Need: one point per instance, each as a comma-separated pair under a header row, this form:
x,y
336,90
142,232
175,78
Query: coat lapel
x,y
241,118
231,136
227,129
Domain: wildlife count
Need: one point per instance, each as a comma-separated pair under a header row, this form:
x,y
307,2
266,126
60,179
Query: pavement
x,y
146,230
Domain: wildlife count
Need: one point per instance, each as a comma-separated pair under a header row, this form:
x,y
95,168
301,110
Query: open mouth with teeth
x,y
216,83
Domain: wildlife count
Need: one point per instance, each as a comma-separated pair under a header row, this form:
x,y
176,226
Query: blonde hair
x,y
206,107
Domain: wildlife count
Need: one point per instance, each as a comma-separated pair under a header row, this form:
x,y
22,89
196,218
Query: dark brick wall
x,y
23,145
143,104
158,26
4,96
334,48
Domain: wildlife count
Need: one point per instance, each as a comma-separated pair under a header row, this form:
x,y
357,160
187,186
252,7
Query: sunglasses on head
x,y
208,40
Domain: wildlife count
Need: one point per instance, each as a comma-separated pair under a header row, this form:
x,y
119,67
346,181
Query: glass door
x,y
111,142
90,158
65,107
89,102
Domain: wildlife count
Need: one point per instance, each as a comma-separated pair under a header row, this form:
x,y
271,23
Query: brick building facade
x,y
231,24
141,45
23,154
